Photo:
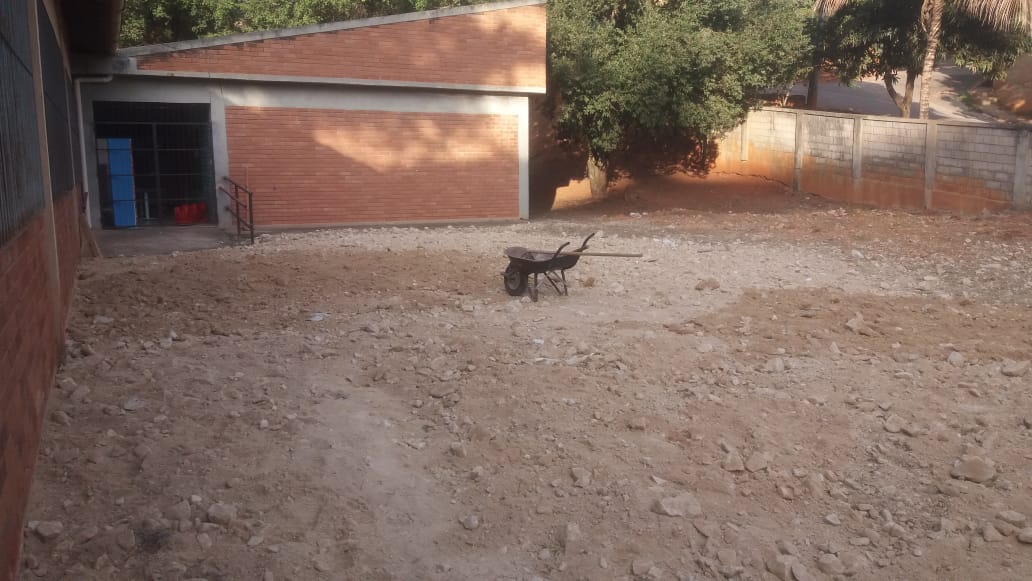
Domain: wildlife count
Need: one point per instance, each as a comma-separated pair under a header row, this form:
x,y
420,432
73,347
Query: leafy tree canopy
x,y
885,38
637,72
157,21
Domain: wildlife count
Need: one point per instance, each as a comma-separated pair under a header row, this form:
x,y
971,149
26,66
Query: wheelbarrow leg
x,y
554,281
566,289
534,289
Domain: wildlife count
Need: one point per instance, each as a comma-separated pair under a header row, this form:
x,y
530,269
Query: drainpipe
x,y
82,135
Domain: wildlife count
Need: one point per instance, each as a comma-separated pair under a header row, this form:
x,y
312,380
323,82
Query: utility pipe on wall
x,y
82,134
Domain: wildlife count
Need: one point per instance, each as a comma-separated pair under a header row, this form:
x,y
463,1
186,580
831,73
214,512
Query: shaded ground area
x,y
153,240
845,398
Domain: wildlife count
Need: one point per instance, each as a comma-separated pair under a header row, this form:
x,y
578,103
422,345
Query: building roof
x,y
92,26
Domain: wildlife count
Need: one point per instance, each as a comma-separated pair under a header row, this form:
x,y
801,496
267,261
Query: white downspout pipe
x,y
82,135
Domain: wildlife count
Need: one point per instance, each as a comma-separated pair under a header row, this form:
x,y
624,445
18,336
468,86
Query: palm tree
x,y
999,14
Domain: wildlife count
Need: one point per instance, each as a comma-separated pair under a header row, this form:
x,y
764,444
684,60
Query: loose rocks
x,y
49,529
974,468
581,477
707,284
570,534
221,513
733,462
684,504
1012,517
1016,368
758,461
830,564
61,418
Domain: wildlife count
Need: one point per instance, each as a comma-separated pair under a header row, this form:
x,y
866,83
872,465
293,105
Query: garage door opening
x,y
154,163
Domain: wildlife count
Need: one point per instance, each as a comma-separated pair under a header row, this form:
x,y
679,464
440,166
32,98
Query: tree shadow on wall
x,y
552,164
351,166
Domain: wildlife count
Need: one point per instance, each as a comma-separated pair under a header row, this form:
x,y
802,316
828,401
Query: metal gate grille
x,y
172,163
56,98
21,187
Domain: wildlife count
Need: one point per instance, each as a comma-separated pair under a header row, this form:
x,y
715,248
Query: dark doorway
x,y
155,163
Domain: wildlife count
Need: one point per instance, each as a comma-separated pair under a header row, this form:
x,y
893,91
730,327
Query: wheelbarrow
x,y
524,263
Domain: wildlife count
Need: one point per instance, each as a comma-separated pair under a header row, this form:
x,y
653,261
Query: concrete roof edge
x,y
337,81
259,35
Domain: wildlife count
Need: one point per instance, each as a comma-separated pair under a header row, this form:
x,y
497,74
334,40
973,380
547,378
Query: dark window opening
x,y
155,163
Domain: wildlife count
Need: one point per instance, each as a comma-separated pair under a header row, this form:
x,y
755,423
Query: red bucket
x,y
181,214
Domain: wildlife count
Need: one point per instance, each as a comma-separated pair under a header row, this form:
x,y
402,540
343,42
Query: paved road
x,y
870,97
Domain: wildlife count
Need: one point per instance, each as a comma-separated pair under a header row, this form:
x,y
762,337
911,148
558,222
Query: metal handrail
x,y
237,204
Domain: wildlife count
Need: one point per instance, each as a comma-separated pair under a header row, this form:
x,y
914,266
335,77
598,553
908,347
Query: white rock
x,y
471,522
48,529
134,404
830,564
61,418
991,534
178,511
973,468
581,476
801,573
758,461
775,365
221,513
1011,516
733,462
570,534
684,504
780,565
1016,368
641,567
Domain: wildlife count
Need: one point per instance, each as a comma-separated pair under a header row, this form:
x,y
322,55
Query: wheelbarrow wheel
x,y
515,281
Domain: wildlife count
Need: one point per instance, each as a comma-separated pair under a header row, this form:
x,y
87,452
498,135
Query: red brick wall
x,y
501,47
28,358
314,166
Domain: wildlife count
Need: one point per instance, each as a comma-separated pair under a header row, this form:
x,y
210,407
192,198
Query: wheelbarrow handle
x,y
558,252
584,245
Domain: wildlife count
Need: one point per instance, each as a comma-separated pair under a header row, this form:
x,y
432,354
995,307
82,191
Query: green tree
x,y
632,73
884,38
158,21
1005,15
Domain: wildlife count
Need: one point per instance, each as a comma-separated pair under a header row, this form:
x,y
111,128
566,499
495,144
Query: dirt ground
x,y
849,402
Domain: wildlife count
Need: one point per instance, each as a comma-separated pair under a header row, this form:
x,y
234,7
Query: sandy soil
x,y
371,405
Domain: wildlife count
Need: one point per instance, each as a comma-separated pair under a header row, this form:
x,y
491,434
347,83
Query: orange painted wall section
x,y
975,165
499,48
315,166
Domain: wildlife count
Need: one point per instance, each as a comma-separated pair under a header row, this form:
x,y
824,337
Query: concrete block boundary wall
x,y
887,162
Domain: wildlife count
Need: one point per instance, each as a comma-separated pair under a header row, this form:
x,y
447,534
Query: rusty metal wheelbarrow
x,y
523,263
